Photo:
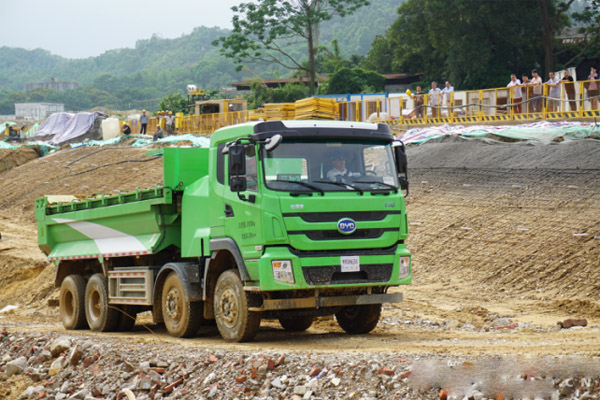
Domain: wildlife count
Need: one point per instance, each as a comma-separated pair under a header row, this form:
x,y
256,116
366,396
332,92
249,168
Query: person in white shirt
x,y
339,173
435,99
447,94
536,82
553,93
517,94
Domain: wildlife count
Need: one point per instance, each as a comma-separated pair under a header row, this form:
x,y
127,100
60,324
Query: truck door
x,y
242,211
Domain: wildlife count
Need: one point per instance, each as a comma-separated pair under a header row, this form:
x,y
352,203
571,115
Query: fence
x,y
563,100
559,101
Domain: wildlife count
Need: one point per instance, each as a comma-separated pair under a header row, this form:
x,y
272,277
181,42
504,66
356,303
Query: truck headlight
x,y
282,271
404,267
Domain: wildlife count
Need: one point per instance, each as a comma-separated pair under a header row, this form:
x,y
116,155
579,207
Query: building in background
x,y
37,111
53,83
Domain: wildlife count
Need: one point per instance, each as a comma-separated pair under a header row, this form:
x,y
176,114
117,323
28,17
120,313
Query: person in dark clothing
x,y
159,133
126,129
143,122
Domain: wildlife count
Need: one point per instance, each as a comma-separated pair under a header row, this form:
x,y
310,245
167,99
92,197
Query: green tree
x,y
265,31
355,80
174,102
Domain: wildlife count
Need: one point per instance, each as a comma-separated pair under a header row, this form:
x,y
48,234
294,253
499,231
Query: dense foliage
x,y
355,80
477,44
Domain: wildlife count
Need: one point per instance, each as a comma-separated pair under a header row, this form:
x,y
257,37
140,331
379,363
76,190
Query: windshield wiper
x,y
346,185
394,188
308,185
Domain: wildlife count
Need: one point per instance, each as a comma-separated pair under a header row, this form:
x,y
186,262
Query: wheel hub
x,y
173,305
229,308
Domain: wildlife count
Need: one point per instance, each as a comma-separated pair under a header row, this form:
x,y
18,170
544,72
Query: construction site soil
x,y
505,240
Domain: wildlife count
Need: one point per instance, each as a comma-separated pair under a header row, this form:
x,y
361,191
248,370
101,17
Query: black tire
x,y
127,316
100,316
359,319
182,318
234,321
71,302
296,324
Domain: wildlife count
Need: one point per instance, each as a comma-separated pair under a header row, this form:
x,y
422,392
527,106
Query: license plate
x,y
350,264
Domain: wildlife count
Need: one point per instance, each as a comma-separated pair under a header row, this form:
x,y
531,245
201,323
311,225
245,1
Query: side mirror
x,y
401,160
273,142
237,160
403,183
238,183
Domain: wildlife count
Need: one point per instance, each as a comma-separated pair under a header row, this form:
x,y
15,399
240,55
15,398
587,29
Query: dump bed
x,y
126,224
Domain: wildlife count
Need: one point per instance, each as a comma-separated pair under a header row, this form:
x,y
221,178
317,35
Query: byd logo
x,y
346,226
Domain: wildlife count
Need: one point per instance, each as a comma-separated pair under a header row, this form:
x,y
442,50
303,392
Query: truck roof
x,y
297,128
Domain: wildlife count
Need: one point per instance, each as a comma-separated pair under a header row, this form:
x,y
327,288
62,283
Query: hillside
x,y
169,64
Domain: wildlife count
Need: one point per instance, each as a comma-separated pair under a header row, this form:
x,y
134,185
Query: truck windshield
x,y
327,166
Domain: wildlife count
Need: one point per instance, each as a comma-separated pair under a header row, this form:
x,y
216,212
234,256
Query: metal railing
x,y
563,100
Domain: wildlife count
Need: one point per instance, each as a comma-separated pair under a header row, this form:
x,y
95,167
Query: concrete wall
x,y
37,111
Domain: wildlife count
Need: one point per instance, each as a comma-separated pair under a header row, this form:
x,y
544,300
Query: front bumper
x,y
322,269
322,302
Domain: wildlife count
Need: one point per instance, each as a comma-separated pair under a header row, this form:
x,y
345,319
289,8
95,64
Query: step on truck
x,y
286,220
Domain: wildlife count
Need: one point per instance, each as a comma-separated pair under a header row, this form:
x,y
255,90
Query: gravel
x,y
111,368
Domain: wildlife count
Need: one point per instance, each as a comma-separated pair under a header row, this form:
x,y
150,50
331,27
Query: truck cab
x,y
311,213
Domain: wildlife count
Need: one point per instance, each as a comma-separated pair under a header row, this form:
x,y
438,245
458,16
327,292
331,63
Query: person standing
x,y
169,122
418,101
553,93
536,90
143,122
569,85
593,88
526,93
517,94
447,91
435,99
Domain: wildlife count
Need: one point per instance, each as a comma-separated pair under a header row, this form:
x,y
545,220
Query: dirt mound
x,y
11,158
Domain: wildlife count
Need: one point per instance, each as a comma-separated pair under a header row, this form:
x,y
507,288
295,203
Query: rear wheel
x,y
101,316
182,318
359,319
296,324
234,321
71,302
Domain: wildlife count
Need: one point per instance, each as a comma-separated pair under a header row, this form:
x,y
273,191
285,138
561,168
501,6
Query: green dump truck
x,y
287,220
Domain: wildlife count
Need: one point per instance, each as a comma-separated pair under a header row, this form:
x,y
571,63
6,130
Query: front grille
x,y
335,235
355,252
332,274
336,216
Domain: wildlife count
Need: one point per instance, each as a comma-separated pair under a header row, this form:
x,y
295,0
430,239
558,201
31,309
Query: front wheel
x,y
234,321
182,318
359,319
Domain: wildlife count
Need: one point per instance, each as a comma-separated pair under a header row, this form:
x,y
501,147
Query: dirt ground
x,y
505,240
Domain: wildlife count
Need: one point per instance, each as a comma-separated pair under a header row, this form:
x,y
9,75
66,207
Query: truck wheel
x,y
296,324
72,302
101,316
359,319
127,316
234,321
182,317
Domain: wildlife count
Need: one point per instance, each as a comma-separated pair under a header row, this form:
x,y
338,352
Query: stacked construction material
x,y
316,108
280,111
257,115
